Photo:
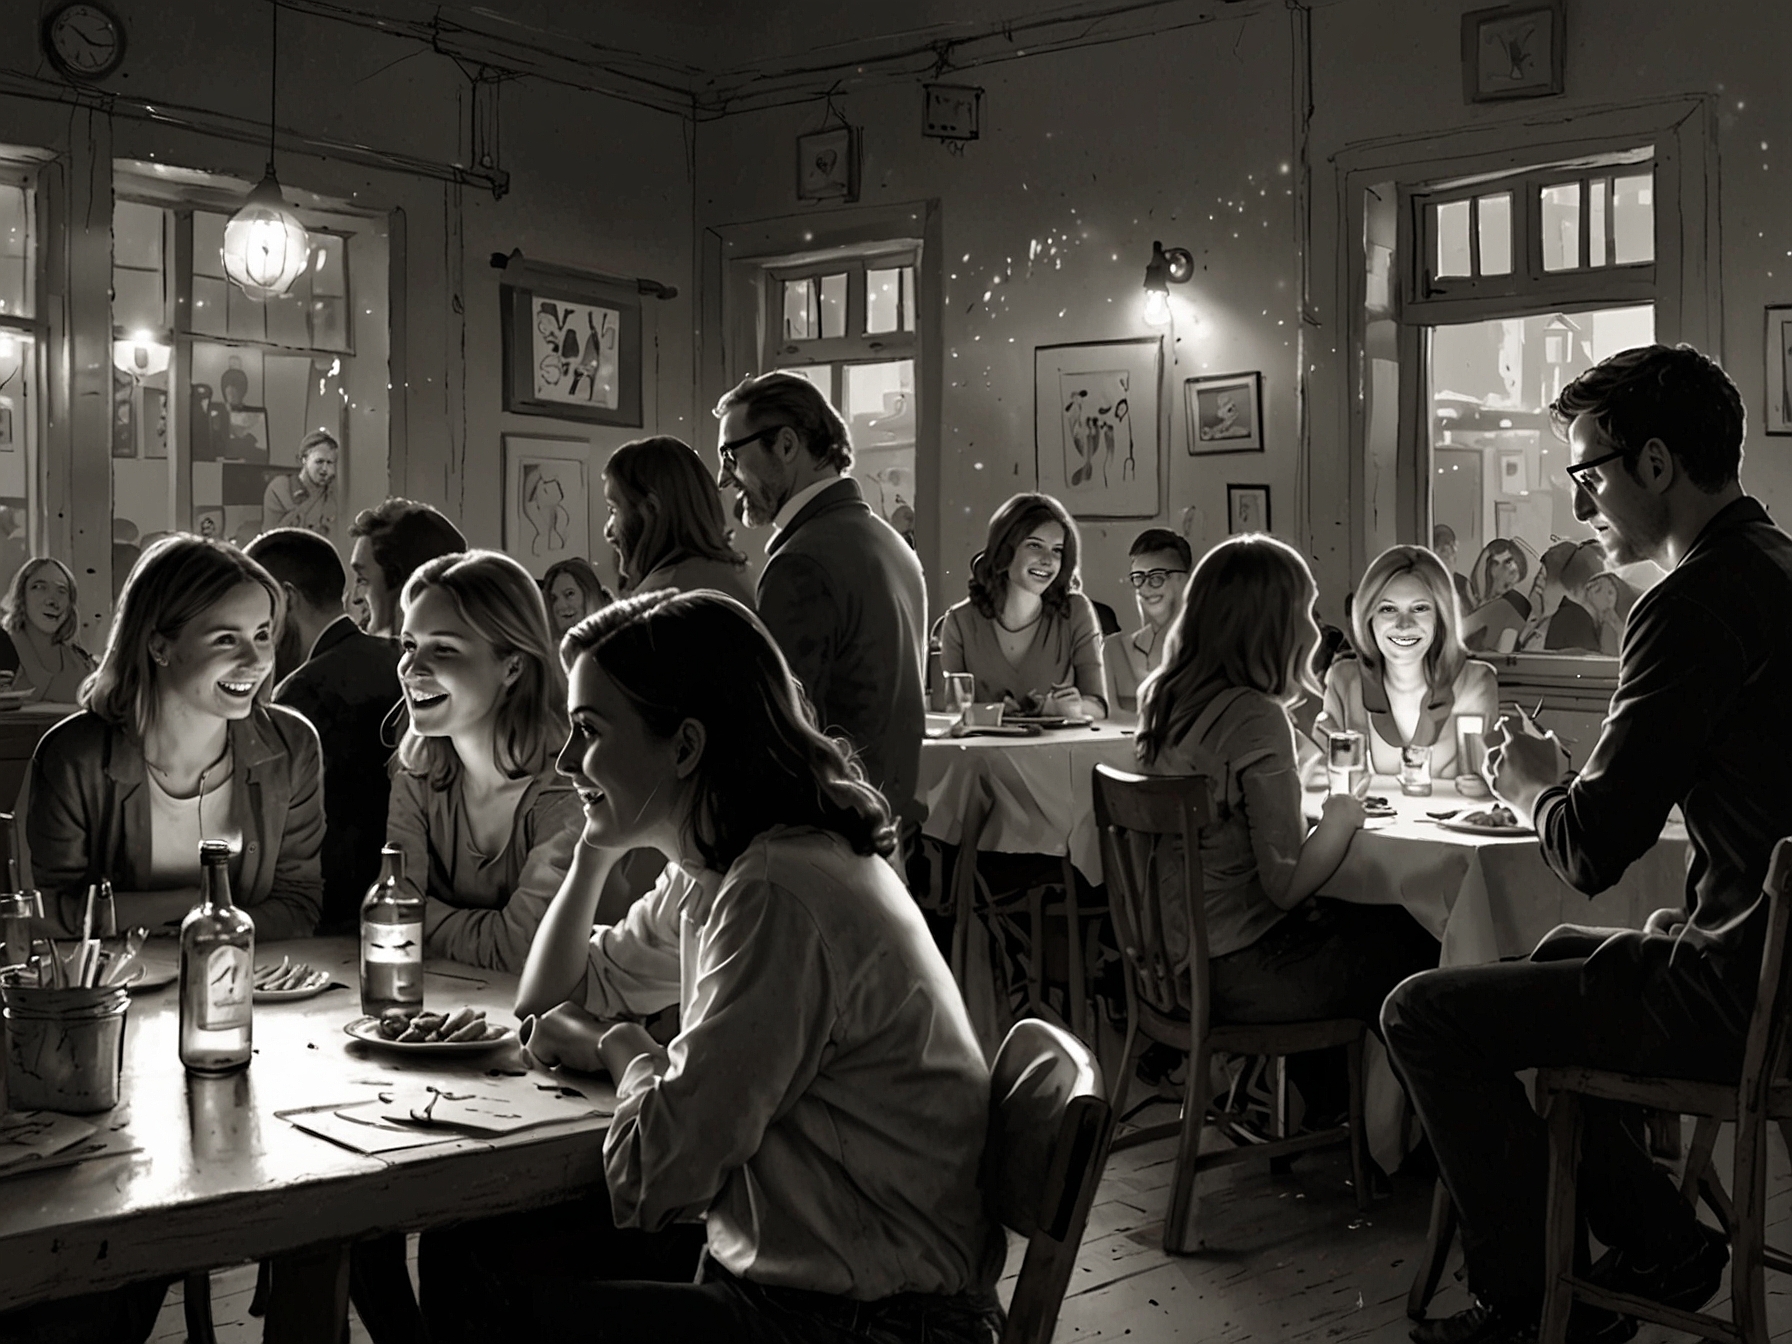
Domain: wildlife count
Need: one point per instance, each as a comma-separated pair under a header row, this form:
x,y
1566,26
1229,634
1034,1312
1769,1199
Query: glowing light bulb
x,y
1157,308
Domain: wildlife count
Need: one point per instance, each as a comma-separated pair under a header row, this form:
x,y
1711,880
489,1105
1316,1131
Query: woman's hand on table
x,y
622,1044
1342,811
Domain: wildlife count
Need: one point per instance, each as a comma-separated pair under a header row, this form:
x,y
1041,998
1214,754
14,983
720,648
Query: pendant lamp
x,y
266,248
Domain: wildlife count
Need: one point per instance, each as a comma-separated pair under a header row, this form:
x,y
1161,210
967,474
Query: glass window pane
x,y
329,267
18,250
329,324
833,306
1633,218
800,323
137,235
1493,217
908,298
1561,226
137,301
18,449
245,319
1596,223
878,404
883,300
1534,581
208,244
1452,239
211,306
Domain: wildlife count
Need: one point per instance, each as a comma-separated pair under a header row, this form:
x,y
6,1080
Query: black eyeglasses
x,y
1152,578
729,449
1575,469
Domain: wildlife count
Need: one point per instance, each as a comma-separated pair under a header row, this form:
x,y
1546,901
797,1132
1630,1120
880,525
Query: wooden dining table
x,y
211,1175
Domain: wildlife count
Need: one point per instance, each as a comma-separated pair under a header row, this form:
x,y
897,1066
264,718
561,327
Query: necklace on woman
x,y
1016,629
168,776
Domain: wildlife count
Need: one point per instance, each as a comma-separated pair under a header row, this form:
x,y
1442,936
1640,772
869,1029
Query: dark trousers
x,y
480,1280
1325,958
1457,1037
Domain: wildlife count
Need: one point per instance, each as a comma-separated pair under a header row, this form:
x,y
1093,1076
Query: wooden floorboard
x,y
1284,1258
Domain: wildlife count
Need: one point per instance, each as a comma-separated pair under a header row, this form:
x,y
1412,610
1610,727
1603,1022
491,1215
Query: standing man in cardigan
x,y
841,592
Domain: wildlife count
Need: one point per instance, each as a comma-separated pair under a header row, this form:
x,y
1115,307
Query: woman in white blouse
x,y
824,1105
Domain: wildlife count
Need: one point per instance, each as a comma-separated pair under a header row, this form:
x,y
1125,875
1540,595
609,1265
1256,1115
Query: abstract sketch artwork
x,y
575,353
1095,423
1098,448
547,503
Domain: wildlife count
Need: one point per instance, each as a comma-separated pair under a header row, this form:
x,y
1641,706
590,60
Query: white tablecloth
x,y
1485,897
1043,800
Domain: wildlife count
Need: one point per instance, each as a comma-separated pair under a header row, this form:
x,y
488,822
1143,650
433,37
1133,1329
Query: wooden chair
x,y
1135,812
1760,1095
1049,1126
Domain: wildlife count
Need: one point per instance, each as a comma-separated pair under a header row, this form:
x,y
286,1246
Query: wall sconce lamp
x,y
1171,267
141,356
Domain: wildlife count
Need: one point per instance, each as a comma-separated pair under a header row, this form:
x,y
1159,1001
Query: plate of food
x,y
1048,720
1378,807
1496,820
287,980
464,1031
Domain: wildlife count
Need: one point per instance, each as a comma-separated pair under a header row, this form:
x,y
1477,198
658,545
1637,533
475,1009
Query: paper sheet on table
x,y
367,1134
504,1106
31,1136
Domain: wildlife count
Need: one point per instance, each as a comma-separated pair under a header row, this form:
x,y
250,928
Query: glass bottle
x,y
391,940
217,961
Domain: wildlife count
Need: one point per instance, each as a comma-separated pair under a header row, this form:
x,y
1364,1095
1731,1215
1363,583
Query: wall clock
x,y
83,40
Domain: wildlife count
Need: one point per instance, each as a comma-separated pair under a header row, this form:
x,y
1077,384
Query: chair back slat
x,y
1048,1140
1139,816
1764,1050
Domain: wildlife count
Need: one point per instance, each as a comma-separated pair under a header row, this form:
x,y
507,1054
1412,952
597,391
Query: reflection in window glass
x,y
1452,239
211,306
833,306
139,278
208,244
1633,218
1493,218
1561,226
18,450
1531,580
18,251
878,404
801,323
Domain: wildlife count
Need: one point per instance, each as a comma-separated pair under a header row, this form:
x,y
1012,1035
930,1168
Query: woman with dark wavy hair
x,y
666,522
824,1104
1025,632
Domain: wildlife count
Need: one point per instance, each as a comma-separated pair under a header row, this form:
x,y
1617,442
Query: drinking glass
x,y
1471,756
961,690
1415,771
1347,763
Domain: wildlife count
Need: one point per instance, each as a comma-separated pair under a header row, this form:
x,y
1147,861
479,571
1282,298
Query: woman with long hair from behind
x,y
1239,655
667,524
824,1105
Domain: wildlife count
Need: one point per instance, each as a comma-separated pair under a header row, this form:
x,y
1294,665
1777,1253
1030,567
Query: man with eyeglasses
x,y
1699,719
1158,568
841,592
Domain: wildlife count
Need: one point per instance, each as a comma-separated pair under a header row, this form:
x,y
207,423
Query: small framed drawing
x,y
572,350
827,165
1512,474
547,500
1247,509
1514,51
952,111
1779,369
1224,413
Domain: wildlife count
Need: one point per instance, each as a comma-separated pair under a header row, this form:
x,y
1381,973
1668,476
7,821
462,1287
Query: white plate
x,y
312,985
1482,828
367,1031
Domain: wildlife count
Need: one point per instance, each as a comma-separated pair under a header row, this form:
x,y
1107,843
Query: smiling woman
x,y
178,743
1025,633
39,618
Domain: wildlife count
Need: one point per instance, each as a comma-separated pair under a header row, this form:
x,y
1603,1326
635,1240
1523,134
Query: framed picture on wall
x,y
827,165
1095,438
547,500
1224,413
1779,369
572,351
1513,51
1247,509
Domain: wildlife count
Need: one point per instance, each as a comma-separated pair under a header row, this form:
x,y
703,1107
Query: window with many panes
x,y
1518,284
214,391
21,339
846,322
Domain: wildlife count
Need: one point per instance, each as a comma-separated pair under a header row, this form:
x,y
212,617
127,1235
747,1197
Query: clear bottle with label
x,y
391,940
217,972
